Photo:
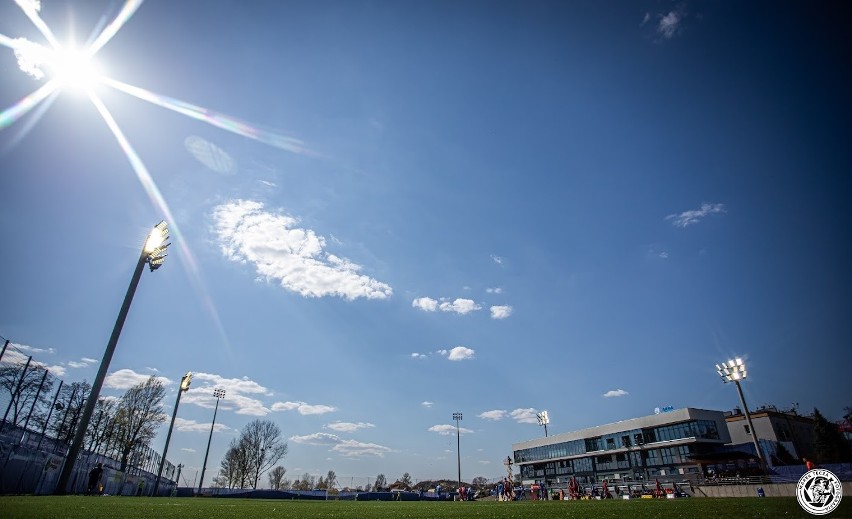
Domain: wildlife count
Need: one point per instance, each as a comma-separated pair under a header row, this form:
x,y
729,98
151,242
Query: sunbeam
x,y
213,118
14,112
31,8
187,258
126,12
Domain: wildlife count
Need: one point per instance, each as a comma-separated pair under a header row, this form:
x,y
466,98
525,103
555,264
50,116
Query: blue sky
x,y
493,208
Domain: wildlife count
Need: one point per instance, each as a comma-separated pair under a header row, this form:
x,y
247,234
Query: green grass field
x,y
209,508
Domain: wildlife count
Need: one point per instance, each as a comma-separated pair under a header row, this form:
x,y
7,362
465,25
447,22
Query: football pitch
x,y
209,508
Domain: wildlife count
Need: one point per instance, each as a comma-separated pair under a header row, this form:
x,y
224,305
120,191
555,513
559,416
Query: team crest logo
x,y
819,491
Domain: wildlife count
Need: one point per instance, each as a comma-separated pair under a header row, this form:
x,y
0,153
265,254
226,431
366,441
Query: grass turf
x,y
210,508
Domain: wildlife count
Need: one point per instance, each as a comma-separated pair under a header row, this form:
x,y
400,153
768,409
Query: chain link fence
x,y
41,414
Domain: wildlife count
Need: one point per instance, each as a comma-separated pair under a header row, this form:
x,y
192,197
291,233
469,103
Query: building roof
x,y
654,420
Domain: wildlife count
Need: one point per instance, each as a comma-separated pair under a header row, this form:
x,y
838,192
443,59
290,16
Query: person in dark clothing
x,y
95,480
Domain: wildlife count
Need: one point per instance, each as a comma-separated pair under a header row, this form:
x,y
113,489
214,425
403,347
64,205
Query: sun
x,y
74,69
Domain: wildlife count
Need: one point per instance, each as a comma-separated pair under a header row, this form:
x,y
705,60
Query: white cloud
x,y
663,255
524,415
75,364
615,392
348,427
495,290
497,414
497,259
90,361
688,218
289,255
501,312
355,449
127,378
32,350
645,19
458,353
447,430
416,355
187,449
346,448
670,24
303,408
239,394
460,306
427,403
192,426
427,304
56,369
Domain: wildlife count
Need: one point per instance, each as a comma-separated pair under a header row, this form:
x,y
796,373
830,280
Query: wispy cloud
x,y
345,448
187,449
458,353
494,290
614,393
501,312
127,378
303,408
447,430
496,259
669,24
185,425
240,394
524,415
348,427
497,414
687,218
292,256
75,364
31,350
427,403
90,361
416,355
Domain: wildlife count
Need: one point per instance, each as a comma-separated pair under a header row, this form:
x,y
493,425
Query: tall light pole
x,y
733,371
457,417
217,393
543,419
184,386
153,254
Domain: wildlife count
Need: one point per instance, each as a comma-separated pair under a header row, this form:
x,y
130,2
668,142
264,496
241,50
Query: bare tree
x,y
331,479
69,406
479,482
139,414
406,480
381,483
275,477
26,391
235,466
264,446
103,424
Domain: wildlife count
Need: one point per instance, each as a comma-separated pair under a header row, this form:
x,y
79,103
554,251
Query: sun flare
x,y
75,69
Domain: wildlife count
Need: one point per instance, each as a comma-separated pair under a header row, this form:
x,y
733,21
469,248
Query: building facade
x,y
793,431
640,449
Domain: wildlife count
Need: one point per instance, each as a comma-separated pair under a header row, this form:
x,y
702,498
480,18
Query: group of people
x,y
505,490
466,493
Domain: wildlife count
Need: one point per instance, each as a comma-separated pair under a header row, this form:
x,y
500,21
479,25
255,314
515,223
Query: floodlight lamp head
x,y
732,370
185,381
457,416
219,393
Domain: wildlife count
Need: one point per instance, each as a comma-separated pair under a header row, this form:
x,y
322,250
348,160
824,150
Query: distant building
x,y
664,445
793,431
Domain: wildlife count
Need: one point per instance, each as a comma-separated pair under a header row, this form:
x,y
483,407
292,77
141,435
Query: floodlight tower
x,y
153,254
457,417
184,386
218,394
734,370
543,419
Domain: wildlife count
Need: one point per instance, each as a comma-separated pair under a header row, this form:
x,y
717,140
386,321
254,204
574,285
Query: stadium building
x,y
668,444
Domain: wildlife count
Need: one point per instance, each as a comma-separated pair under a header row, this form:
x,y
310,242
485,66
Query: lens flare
x,y
14,112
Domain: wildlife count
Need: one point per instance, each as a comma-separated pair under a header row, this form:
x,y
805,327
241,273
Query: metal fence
x,y
40,415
